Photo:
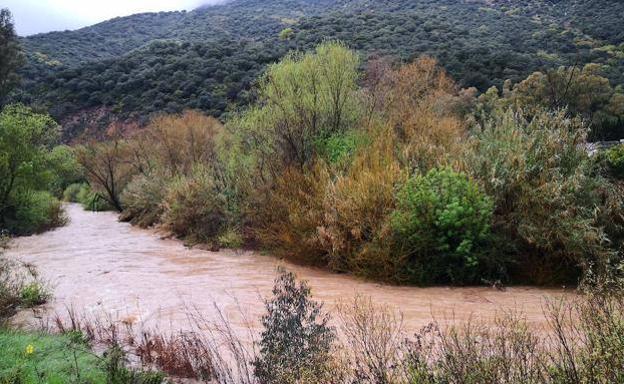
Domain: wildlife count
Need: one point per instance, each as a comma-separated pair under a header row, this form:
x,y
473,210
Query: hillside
x,y
209,58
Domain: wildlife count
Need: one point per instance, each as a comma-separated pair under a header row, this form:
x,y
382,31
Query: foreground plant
x,y
296,343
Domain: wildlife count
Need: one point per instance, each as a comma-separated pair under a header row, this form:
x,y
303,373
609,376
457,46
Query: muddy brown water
x,y
98,265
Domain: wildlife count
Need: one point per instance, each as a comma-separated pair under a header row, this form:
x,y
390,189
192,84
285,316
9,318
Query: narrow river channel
x,y
98,265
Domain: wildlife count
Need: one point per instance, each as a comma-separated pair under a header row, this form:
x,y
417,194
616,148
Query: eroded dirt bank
x,y
97,265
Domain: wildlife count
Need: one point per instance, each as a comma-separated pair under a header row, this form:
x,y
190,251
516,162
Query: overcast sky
x,y
35,16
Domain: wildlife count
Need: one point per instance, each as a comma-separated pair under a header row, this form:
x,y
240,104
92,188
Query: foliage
x,y
63,169
415,101
106,169
546,190
176,143
34,212
208,58
34,294
70,194
582,92
142,199
302,99
195,206
287,216
296,341
33,357
231,238
91,200
26,139
615,159
356,205
441,226
11,55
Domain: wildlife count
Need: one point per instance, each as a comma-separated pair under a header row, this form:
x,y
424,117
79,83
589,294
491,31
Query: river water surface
x,y
98,265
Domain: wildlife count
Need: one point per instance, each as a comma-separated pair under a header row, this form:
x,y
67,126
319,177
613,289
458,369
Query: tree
x,y
107,169
304,99
297,340
581,92
11,56
25,140
178,142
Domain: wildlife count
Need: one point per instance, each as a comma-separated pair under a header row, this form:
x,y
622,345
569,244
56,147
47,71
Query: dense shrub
x,y
92,201
35,212
142,200
176,143
27,162
615,159
70,194
441,226
414,101
286,217
304,100
547,193
356,206
63,169
195,206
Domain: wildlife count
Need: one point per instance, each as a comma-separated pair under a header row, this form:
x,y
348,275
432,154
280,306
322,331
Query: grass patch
x,y
36,358
64,358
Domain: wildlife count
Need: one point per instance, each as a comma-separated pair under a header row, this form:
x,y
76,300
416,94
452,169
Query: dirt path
x,y
97,265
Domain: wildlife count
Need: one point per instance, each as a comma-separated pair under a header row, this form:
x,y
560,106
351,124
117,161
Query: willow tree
x,y
303,100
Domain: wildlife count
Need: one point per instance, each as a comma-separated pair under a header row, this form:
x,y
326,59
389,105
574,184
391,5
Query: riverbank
x,y
98,265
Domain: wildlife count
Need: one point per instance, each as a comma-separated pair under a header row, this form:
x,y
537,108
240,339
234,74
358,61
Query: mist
x,y
39,16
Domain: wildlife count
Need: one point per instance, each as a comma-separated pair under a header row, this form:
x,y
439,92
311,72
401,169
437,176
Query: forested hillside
x,y
208,59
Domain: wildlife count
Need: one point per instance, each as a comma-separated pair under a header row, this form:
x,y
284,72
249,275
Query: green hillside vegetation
x,y
208,59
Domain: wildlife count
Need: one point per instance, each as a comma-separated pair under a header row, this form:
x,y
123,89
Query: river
x,y
98,265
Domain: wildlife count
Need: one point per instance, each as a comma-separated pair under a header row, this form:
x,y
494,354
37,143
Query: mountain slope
x,y
208,59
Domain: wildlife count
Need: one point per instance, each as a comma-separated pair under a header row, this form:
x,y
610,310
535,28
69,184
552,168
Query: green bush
x,y
70,194
340,148
35,212
441,224
92,201
231,238
142,200
552,206
195,208
34,294
615,159
63,168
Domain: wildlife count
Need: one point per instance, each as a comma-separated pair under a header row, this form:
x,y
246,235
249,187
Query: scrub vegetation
x,y
396,174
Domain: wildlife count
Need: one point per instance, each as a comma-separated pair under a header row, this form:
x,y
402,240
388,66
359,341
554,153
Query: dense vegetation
x,y
34,171
406,178
208,59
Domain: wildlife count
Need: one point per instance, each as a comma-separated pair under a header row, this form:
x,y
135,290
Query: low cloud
x,y
37,16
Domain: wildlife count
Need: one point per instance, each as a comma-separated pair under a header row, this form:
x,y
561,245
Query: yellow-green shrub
x,y
195,206
35,212
356,206
142,200
546,190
